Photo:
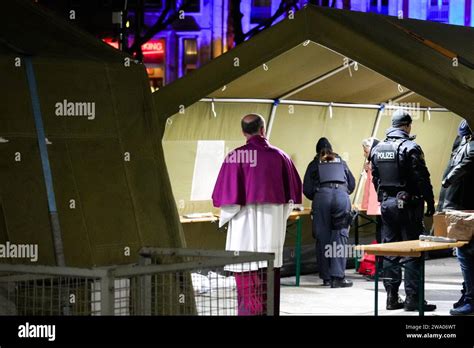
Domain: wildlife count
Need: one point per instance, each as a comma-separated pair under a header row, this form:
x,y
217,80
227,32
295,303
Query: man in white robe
x,y
256,189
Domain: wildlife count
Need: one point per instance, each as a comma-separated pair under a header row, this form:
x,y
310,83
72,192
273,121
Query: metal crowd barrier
x,y
163,282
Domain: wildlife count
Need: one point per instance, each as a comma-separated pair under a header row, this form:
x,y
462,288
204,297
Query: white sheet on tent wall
x,y
209,158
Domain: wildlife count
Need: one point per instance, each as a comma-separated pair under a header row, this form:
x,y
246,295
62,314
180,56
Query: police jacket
x,y
442,192
313,177
398,164
460,193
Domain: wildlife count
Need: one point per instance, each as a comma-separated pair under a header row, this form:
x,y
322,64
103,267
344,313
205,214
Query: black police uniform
x,y
328,185
459,185
402,180
442,191
459,179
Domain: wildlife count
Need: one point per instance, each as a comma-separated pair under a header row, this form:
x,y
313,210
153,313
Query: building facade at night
x,y
205,33
189,42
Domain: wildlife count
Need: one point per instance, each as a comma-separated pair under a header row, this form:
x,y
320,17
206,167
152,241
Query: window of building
x,y
192,6
379,6
261,10
438,11
190,55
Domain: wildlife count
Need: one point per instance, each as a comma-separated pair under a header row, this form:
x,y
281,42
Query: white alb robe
x,y
257,228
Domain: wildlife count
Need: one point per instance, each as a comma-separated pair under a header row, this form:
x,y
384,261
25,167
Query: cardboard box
x,y
439,225
460,224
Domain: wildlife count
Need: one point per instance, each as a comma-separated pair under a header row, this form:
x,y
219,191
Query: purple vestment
x,y
257,173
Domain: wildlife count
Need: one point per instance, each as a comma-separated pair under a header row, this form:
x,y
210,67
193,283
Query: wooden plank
x,y
296,214
385,253
407,248
184,220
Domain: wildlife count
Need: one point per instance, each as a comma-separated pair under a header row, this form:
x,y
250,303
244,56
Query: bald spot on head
x,y
252,124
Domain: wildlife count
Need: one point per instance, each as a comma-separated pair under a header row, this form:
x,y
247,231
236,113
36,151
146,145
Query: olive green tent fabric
x,y
197,123
297,133
112,190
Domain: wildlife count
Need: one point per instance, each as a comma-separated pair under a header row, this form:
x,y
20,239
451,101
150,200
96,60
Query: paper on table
x,y
198,215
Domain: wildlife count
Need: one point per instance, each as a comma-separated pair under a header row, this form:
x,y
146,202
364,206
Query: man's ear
x,y
262,131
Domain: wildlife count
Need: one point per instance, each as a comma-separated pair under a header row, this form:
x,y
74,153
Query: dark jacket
x,y
311,178
460,194
442,192
412,163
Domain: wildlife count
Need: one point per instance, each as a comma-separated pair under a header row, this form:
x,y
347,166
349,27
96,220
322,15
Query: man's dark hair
x,y
252,125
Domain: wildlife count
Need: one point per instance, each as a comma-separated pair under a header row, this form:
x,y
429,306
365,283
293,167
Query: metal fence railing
x,y
163,282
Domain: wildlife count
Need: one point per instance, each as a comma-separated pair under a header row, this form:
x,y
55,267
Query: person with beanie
x,y
459,185
328,182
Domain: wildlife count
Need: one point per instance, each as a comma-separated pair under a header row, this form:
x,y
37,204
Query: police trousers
x,y
331,206
401,224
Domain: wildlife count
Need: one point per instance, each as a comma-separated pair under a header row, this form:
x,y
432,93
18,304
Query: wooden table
x,y
363,214
411,248
184,220
296,217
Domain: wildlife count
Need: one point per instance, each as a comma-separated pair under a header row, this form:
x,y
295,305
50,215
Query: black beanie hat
x,y
401,118
323,143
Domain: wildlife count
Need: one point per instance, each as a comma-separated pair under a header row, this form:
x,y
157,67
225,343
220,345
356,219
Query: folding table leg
x,y
299,231
376,307
421,286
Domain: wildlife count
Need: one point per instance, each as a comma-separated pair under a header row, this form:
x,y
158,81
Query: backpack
x,y
367,264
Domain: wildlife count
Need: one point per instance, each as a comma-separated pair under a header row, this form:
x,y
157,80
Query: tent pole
x,y
317,80
238,100
375,130
313,103
271,118
48,177
374,133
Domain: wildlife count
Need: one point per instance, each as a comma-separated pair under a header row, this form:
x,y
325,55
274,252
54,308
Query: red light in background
x,y
154,47
153,50
112,43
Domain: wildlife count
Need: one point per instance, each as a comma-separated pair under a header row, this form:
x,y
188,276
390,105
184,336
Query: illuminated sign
x,y
153,50
156,47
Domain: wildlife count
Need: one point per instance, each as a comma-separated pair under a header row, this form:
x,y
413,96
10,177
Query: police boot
x,y
411,304
394,301
340,283
462,300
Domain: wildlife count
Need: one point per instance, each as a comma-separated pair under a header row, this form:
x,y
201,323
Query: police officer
x,y
328,183
458,183
403,184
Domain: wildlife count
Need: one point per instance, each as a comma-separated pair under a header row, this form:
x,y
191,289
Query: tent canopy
x,y
291,72
112,193
395,57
